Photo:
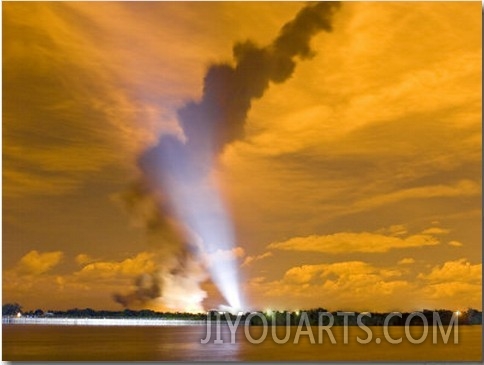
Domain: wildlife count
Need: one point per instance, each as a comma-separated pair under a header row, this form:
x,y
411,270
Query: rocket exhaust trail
x,y
180,170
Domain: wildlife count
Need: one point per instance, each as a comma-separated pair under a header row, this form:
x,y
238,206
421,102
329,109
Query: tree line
x,y
468,317
12,309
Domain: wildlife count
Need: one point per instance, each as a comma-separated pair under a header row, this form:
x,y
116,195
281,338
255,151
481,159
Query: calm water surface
x,y
45,342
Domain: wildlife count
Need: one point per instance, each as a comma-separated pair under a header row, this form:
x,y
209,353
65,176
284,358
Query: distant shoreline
x,y
102,321
11,314
146,322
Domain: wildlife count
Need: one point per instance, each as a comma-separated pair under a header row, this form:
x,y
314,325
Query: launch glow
x,y
182,168
197,202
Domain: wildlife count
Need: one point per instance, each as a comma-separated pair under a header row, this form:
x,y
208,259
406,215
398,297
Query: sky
x,y
354,183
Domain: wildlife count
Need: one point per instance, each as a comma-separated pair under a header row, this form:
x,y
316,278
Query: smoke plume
x,y
147,289
175,286
175,174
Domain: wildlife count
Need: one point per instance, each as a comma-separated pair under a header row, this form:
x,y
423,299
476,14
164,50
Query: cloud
x,y
249,260
456,282
396,230
406,261
92,285
341,285
302,274
461,188
408,151
137,281
360,285
353,242
453,295
83,259
458,270
62,136
436,231
143,262
35,263
90,105
225,255
455,244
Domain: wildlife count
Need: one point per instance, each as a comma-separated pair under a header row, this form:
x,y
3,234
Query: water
x,y
155,343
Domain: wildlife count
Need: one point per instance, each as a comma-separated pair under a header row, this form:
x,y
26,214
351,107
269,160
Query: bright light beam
x,y
196,201
218,119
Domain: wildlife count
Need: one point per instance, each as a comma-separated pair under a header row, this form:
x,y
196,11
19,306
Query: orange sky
x,y
357,185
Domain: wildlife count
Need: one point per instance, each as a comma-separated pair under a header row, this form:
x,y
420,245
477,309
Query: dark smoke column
x,y
180,170
228,90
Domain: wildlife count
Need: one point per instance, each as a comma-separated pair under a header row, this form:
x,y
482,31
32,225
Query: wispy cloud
x,y
249,260
406,261
461,188
346,242
455,243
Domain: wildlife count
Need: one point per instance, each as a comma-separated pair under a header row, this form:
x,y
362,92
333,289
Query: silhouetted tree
x,y
11,309
471,316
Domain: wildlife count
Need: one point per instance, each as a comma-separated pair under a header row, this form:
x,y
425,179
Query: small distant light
x,y
458,313
269,311
19,315
297,312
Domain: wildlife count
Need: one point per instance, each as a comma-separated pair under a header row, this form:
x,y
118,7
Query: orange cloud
x,y
251,259
395,230
459,270
91,286
83,259
435,230
342,285
359,285
225,255
353,242
130,267
458,283
35,263
461,188
406,261
455,244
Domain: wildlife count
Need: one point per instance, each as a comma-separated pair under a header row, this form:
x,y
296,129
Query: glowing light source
x,y
228,309
197,202
184,168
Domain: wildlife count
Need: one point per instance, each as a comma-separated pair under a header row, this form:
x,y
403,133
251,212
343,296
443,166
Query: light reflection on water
x,y
82,343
